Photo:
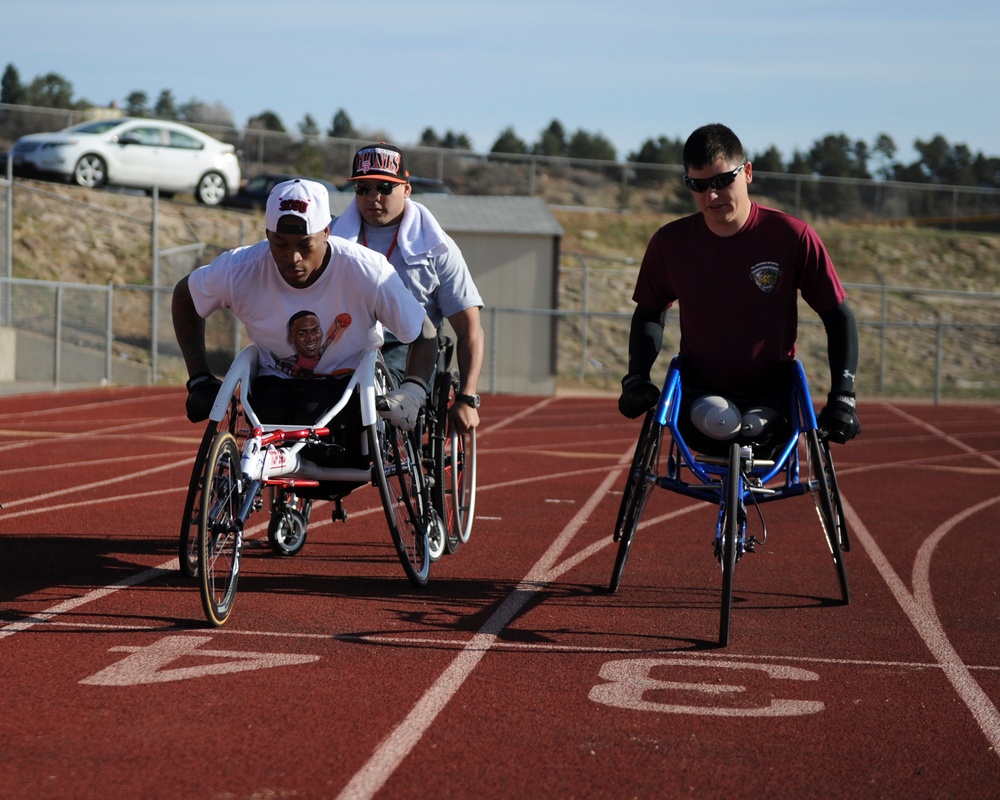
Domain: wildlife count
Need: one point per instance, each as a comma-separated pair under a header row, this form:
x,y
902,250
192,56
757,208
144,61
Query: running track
x,y
514,674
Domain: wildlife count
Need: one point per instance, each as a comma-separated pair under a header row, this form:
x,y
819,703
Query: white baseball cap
x,y
307,200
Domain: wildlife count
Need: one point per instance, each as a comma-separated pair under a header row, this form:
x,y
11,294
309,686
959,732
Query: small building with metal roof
x,y
511,245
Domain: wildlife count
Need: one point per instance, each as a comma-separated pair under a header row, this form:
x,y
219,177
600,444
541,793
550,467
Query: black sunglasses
x,y
383,187
716,182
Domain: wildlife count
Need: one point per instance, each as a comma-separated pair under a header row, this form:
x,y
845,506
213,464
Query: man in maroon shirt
x,y
736,269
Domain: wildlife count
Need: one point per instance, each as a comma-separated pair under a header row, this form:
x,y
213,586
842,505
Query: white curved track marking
x,y
975,698
919,607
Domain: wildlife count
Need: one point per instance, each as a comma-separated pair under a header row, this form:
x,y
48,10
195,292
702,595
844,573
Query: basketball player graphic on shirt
x,y
305,334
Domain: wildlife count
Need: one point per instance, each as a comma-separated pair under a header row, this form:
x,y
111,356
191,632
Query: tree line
x,y
835,155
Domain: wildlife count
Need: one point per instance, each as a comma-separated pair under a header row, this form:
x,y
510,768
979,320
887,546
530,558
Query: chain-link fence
x,y
618,185
914,342
64,335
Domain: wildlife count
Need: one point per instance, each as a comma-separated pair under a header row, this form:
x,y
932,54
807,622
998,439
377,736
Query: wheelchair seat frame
x,y
240,455
802,465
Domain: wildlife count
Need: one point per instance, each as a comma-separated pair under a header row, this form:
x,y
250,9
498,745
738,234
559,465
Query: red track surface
x,y
514,674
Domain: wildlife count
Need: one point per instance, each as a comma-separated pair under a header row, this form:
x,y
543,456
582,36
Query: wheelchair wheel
x,y
731,521
234,421
460,484
434,439
638,486
830,511
188,544
397,474
286,531
437,533
220,530
397,471
838,504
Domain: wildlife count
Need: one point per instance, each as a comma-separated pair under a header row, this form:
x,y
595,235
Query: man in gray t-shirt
x,y
384,218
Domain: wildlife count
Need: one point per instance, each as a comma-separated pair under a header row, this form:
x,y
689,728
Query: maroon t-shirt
x,y
738,294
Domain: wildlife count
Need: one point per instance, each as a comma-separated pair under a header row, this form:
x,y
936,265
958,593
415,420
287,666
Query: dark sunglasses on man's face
x,y
382,187
716,182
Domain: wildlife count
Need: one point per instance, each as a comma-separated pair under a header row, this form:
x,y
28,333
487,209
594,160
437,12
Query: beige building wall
x,y
511,245
515,272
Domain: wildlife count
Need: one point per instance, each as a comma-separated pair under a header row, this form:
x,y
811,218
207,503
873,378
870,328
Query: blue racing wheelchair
x,y
733,478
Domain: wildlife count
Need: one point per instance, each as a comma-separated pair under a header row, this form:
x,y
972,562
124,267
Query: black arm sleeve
x,y
645,339
842,346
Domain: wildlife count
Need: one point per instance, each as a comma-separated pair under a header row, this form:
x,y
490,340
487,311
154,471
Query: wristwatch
x,y
469,399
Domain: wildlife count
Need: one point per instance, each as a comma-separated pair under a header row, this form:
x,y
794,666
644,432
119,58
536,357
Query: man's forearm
x,y
470,348
421,355
469,352
189,328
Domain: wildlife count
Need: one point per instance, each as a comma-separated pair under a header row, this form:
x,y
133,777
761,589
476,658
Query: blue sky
x,y
779,72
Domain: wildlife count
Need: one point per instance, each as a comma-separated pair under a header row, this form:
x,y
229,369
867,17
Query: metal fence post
x,y
57,355
938,360
883,338
493,349
6,307
154,347
109,331
585,328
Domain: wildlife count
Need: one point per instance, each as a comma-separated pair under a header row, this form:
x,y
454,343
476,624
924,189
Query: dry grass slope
x,y
72,234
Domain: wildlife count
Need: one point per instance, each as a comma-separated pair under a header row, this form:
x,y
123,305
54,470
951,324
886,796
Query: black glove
x,y
838,421
202,389
639,394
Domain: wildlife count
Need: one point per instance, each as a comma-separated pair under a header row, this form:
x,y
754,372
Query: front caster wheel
x,y
286,532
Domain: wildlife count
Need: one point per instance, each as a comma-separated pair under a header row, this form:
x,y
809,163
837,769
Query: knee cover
x,y
756,419
716,417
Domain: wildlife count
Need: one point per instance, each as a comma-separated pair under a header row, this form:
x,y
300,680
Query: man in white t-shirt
x,y
312,305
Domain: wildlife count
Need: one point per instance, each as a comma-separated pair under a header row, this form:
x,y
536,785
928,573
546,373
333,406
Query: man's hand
x,y
202,389
463,418
639,394
401,406
838,421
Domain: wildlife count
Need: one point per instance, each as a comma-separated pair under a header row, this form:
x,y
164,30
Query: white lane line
x,y
166,568
49,468
919,607
75,408
975,698
515,417
27,438
64,490
90,597
978,702
404,737
938,433
388,640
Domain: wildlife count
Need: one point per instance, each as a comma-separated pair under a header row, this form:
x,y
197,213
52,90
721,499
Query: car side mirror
x,y
128,138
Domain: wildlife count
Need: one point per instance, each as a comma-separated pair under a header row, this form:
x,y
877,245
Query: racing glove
x,y
202,389
401,406
838,421
639,394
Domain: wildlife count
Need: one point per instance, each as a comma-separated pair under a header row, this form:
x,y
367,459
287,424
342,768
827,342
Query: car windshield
x,y
260,183
97,126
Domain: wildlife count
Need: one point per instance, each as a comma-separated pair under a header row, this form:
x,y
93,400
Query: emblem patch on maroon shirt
x,y
766,275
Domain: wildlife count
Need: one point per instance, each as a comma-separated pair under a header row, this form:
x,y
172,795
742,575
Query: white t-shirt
x,y
357,291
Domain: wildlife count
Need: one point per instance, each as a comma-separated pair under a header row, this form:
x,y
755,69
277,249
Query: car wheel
x,y
90,171
211,189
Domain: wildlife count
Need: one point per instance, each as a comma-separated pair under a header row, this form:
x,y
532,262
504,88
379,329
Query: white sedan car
x,y
136,153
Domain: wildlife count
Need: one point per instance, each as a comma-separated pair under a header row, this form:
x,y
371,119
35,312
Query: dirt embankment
x,y
72,234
